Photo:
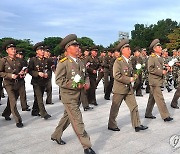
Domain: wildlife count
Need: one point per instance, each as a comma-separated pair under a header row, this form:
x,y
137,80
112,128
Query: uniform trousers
x,y
132,105
72,114
11,104
156,96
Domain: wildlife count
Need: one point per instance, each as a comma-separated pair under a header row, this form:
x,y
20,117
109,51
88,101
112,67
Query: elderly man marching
x,y
72,79
122,89
156,73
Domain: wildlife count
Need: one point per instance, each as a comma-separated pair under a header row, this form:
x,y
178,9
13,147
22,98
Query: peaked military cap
x,y
39,45
123,43
94,48
136,49
69,40
110,50
8,44
154,43
47,48
20,51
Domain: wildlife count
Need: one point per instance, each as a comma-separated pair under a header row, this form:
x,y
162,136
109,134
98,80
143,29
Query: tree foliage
x,y
142,35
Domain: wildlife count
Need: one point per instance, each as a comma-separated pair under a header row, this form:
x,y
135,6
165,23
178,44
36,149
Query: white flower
x,y
138,66
77,78
171,63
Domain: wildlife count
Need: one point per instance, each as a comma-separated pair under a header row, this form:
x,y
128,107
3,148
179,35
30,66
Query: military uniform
x,y
155,69
167,76
83,99
138,83
8,67
108,76
101,70
66,71
22,89
92,63
122,90
174,102
37,65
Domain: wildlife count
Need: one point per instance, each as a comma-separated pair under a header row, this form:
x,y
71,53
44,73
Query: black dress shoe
x,y
140,95
88,108
114,129
106,98
50,103
96,104
47,116
89,151
27,109
19,125
150,117
175,107
141,127
7,118
35,114
61,142
168,119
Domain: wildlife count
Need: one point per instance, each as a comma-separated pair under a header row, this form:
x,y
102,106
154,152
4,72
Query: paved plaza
x,y
34,137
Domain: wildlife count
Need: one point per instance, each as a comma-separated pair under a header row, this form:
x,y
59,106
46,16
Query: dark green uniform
x,y
8,67
37,65
92,63
174,102
101,70
49,82
108,76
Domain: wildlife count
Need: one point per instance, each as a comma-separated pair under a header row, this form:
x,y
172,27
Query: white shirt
x,y
127,60
75,59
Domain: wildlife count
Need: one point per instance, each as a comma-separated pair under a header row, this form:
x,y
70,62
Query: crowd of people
x,y
79,71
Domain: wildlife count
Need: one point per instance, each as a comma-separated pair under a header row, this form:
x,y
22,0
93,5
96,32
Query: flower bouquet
x,y
77,81
139,69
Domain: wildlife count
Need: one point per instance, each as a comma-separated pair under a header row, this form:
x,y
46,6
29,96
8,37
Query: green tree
x,y
53,42
174,39
85,41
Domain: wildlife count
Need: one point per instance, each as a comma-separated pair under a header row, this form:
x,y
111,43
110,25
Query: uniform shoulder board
x,y
64,59
153,55
120,58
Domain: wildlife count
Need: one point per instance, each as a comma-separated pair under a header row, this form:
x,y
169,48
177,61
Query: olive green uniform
x,y
66,70
92,63
37,65
122,89
155,69
8,67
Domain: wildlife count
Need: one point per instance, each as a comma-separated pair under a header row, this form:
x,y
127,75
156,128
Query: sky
x,y
100,20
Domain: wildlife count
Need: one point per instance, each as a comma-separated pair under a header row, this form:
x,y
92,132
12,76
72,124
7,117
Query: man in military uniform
x,y
48,88
137,59
68,70
156,73
12,72
144,70
92,65
41,72
83,98
175,68
122,89
22,89
101,67
108,76
166,60
174,102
